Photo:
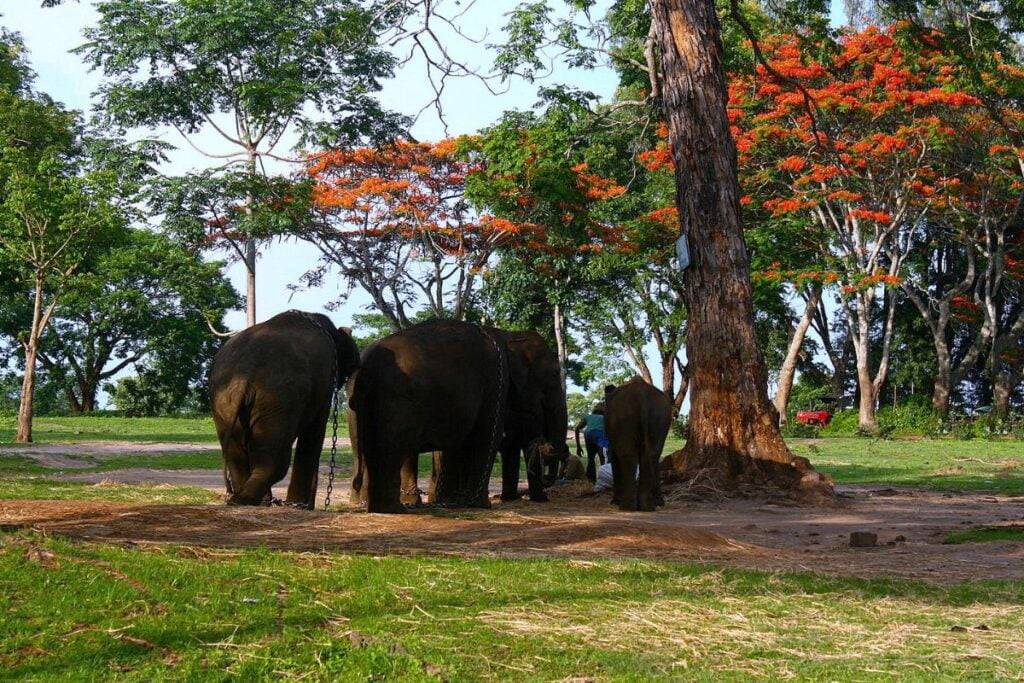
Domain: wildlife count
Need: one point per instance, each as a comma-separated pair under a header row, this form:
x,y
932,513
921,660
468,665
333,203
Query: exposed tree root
x,y
726,474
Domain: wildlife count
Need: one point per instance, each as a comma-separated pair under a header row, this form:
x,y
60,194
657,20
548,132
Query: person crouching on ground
x,y
595,438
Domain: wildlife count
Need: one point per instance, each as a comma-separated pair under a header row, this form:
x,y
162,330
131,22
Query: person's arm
x,y
581,425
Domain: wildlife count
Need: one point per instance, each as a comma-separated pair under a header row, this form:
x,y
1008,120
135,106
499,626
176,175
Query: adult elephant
x,y
534,424
271,386
441,385
536,419
637,419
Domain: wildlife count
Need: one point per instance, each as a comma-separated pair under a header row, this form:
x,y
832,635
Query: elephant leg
x,y
626,496
535,475
359,488
410,480
269,457
448,477
236,458
383,478
509,470
435,470
616,480
303,484
357,494
647,485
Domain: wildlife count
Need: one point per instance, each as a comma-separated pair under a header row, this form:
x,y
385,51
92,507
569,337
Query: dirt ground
x,y
910,524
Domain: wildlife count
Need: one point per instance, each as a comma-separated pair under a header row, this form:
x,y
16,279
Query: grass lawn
x,y
987,534
85,611
994,466
113,428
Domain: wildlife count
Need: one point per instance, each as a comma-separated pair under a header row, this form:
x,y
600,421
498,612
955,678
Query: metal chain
x,y
334,445
498,406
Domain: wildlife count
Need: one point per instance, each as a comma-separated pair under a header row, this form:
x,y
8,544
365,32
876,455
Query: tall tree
x,y
144,295
250,73
58,210
733,427
866,163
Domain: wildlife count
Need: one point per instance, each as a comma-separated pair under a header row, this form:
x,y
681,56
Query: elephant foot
x,y
540,497
414,499
238,500
388,508
508,497
482,503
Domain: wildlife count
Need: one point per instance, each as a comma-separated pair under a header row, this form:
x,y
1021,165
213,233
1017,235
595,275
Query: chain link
x,y
499,405
334,445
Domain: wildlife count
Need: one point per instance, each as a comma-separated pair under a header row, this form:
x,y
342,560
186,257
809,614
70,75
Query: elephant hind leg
x,y
509,471
410,480
236,460
303,484
269,457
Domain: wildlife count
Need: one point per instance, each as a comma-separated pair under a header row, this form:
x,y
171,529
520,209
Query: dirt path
x,y
583,525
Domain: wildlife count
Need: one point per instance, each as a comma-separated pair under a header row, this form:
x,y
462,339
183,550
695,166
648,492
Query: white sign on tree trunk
x,y
682,253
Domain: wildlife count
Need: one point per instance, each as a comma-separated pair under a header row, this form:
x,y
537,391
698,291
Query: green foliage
x,y
49,397
914,417
270,61
144,395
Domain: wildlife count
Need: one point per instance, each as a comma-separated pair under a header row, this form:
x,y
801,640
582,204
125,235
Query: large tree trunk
x,y
796,344
734,438
1001,396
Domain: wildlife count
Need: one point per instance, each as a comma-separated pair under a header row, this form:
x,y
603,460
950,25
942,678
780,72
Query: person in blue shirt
x,y
595,438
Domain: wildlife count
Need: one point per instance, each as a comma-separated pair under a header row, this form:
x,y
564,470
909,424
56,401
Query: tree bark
x,y
560,343
250,282
796,344
942,388
734,439
28,382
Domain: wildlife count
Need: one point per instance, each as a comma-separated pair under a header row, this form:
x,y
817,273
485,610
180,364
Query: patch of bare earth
x,y
910,525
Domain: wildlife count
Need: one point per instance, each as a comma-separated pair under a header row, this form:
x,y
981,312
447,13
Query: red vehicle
x,y
815,418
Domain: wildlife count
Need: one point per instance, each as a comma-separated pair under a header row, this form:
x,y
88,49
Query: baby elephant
x,y
637,419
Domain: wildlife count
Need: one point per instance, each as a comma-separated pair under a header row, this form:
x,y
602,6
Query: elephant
x,y
536,419
440,385
637,419
271,385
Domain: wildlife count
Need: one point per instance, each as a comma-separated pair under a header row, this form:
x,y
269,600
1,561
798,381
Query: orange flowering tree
x,y
863,167
394,220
